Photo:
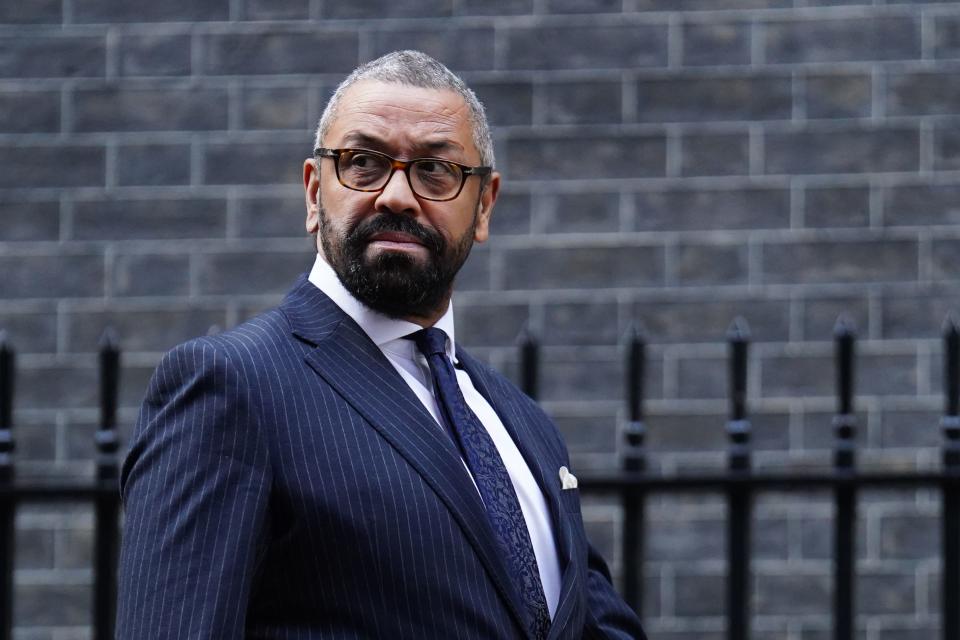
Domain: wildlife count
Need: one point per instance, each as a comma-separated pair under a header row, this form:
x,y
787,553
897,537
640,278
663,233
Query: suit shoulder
x,y
241,347
255,334
259,332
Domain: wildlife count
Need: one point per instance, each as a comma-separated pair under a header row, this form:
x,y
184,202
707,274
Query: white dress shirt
x,y
388,334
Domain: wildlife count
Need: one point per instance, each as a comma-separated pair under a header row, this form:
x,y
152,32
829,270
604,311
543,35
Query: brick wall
x,y
670,162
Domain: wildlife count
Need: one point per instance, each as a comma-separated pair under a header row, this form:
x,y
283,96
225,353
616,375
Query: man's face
x,y
395,252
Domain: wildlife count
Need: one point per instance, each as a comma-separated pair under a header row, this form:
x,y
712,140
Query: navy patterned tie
x,y
490,476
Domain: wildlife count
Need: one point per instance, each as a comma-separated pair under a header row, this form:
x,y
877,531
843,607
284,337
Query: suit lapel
x,y
534,448
353,365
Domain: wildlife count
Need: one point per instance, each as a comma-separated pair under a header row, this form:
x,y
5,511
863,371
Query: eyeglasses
x,y
429,178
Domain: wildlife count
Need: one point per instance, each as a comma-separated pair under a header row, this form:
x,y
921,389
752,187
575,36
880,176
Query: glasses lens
x,y
363,170
435,178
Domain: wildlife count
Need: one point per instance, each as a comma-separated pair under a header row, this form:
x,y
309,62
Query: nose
x,y
397,197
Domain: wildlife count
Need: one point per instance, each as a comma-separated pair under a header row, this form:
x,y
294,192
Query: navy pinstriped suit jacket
x,y
284,482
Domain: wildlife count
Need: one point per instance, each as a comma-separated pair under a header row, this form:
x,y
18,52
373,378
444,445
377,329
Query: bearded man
x,y
338,467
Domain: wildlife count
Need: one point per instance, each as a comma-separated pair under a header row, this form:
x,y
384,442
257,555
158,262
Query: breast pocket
x,y
574,531
570,499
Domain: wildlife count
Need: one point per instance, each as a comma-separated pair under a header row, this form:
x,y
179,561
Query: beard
x,y
394,283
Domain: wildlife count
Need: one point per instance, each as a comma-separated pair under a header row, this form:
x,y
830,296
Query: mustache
x,y
400,224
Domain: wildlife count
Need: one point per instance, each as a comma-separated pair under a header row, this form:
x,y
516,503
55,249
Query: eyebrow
x,y
377,144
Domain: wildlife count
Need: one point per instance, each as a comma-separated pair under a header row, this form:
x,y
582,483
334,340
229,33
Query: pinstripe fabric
x,y
284,482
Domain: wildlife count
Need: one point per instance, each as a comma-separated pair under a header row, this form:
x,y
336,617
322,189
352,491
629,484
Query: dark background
x,y
674,162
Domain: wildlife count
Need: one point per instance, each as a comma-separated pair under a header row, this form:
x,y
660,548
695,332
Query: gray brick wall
x,y
671,162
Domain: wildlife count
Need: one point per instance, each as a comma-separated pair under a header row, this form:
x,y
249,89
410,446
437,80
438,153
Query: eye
x,y
363,161
437,170
362,170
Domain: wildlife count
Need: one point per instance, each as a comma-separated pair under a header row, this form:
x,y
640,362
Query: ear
x,y
311,194
488,197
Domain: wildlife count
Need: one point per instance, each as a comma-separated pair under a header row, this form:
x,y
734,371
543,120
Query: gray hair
x,y
414,69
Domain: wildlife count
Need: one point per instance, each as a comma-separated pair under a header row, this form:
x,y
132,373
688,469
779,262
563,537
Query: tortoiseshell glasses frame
x,y
448,176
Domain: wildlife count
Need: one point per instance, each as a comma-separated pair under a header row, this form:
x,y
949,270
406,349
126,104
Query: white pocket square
x,y
567,479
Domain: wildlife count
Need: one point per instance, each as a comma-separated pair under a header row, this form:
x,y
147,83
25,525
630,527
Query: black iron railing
x,y
102,492
740,484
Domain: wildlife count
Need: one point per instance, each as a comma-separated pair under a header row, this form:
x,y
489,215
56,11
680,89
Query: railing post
x,y
7,503
951,482
529,356
107,501
844,425
634,461
739,498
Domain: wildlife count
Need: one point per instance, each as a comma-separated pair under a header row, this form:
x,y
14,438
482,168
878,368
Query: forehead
x,y
402,117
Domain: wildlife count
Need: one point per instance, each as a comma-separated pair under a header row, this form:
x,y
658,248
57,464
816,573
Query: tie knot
x,y
430,341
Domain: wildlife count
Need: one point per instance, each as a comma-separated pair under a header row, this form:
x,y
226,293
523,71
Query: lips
x,y
395,237
397,242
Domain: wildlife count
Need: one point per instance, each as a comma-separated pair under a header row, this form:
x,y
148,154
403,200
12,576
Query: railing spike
x,y
738,337
109,378
845,335
636,330
738,330
951,365
6,382
845,324
109,339
635,344
951,323
529,357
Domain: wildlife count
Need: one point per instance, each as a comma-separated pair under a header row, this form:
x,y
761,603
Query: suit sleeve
x,y
195,489
608,616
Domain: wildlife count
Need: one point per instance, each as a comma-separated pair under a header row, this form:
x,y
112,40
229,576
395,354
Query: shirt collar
x,y
380,328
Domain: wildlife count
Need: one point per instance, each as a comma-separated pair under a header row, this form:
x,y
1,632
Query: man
x,y
324,470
